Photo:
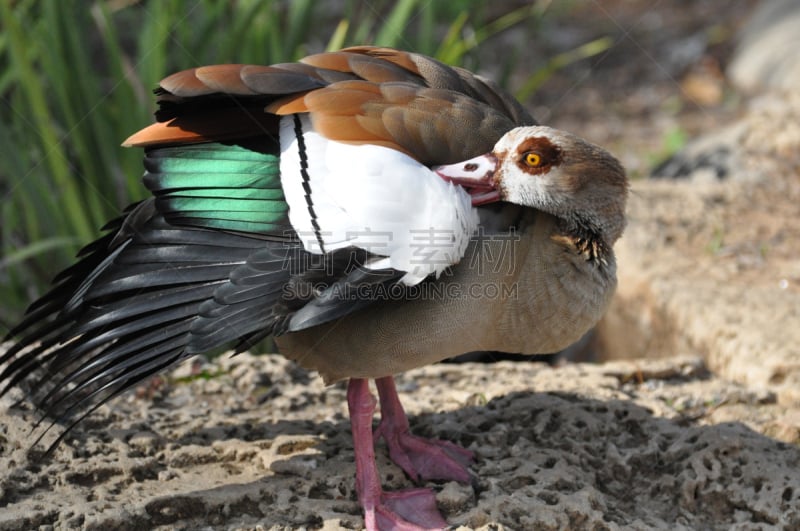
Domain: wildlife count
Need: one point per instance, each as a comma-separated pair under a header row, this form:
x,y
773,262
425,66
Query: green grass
x,y
76,78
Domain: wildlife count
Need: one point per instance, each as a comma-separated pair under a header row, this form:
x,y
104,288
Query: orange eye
x,y
532,159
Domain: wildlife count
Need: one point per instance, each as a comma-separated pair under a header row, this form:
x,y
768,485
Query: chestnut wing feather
x,y
364,95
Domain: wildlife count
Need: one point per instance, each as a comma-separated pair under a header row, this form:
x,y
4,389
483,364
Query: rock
x,y
763,144
709,266
454,498
649,443
766,56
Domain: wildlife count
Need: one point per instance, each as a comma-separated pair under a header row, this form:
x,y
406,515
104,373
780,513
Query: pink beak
x,y
476,175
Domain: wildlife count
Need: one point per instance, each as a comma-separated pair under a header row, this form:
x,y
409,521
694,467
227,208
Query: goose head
x,y
552,171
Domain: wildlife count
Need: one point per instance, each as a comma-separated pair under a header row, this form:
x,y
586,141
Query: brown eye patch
x,y
549,154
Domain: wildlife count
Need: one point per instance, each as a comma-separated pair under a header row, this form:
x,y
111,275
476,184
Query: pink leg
x,y
418,457
409,510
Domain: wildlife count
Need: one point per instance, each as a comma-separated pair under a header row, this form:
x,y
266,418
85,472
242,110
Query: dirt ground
x,y
263,445
688,419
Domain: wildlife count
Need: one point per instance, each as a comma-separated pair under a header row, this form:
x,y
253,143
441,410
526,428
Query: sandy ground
x,y
262,445
691,420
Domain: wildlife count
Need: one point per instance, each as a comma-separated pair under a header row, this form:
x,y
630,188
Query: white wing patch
x,y
372,197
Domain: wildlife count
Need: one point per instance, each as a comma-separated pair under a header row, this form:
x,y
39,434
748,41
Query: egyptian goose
x,y
374,210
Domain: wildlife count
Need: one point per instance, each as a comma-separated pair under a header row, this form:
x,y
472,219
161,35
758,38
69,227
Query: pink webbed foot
x,y
420,458
409,510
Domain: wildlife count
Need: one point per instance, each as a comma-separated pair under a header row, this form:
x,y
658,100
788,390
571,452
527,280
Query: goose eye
x,y
532,159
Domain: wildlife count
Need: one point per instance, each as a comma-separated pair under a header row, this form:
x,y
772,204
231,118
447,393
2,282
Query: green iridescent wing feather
x,y
233,187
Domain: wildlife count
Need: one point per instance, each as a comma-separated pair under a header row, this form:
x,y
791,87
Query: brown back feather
x,y
406,101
